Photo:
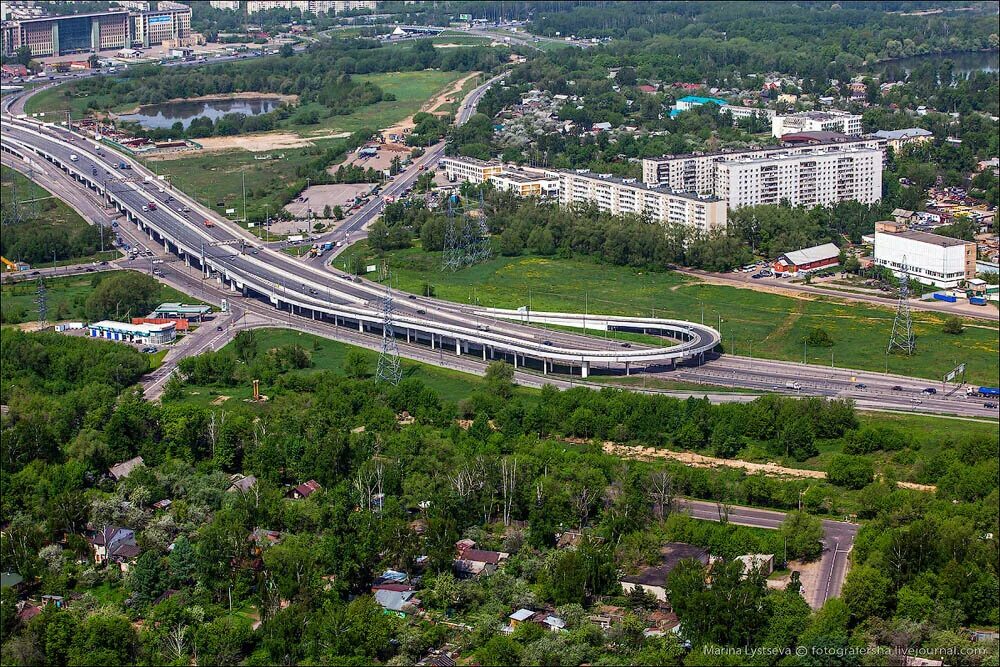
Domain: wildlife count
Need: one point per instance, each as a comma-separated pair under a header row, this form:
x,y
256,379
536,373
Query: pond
x,y
165,115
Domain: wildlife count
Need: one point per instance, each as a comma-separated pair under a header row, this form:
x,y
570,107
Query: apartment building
x,y
817,121
630,197
310,6
225,5
739,113
930,258
696,172
807,179
470,169
527,183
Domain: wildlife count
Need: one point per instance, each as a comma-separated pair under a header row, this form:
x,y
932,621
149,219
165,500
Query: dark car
x,y
218,328
411,296
626,344
90,269
756,276
34,273
989,406
861,385
421,311
896,387
929,390
546,342
104,263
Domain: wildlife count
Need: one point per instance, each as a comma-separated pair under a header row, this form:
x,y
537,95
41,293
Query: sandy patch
x,y
256,143
220,400
699,461
446,96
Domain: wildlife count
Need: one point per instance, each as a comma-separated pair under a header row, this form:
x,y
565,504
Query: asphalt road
x,y
838,540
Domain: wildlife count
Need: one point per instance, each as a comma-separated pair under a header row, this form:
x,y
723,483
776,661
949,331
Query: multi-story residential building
x,y
470,169
527,182
630,197
225,5
696,172
817,121
739,113
807,179
310,6
170,21
930,258
59,35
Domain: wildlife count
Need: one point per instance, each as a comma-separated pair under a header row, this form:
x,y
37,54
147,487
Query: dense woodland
x,y
509,481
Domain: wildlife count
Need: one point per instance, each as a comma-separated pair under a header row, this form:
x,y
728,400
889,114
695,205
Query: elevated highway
x,y
232,257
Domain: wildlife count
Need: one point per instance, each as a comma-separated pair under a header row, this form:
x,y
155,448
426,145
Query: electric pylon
x,y
902,327
389,369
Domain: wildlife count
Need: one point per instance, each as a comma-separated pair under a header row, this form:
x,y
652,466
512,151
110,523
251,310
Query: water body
x,y
965,62
165,115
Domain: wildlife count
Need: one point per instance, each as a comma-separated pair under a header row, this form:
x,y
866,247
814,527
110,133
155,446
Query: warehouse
x,y
809,259
930,258
146,334
181,310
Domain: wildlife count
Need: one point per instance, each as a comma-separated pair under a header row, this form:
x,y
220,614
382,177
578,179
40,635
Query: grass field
x,y
214,178
330,355
49,212
412,90
773,325
66,296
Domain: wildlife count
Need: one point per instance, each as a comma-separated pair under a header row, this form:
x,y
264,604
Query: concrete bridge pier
x,y
585,369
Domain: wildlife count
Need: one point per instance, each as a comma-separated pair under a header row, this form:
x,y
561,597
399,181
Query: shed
x,y
808,259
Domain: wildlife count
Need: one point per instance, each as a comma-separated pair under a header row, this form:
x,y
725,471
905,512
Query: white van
x,y
791,384
73,157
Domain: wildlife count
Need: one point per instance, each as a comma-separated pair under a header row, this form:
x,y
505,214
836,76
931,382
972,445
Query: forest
x,y
399,495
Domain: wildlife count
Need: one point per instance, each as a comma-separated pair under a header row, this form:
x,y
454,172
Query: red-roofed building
x,y
648,89
305,490
14,69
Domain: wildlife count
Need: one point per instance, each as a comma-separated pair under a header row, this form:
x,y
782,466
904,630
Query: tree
x,y
327,211
356,364
93,61
124,292
245,344
338,212
500,379
500,651
867,593
953,326
852,472
818,337
23,55
803,535
286,51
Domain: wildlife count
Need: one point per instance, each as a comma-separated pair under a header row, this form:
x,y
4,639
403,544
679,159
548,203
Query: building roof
x,y
142,329
306,489
395,600
398,588
903,134
672,553
125,468
901,213
196,309
694,99
755,561
521,615
816,136
814,254
9,579
554,622
481,556
821,115
243,484
928,238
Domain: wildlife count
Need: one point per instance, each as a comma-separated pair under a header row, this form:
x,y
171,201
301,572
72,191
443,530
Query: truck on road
x,y
792,384
985,392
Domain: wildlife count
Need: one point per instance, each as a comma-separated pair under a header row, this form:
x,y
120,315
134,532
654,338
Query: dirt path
x,y
700,461
431,106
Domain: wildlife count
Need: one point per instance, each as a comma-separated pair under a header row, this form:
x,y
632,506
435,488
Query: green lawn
x,y
65,297
47,212
768,325
329,355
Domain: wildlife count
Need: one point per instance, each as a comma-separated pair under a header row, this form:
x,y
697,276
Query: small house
x,y
120,471
472,562
304,490
115,544
763,563
399,603
241,483
807,259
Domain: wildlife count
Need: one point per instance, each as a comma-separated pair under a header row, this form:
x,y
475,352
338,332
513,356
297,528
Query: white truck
x,y
792,384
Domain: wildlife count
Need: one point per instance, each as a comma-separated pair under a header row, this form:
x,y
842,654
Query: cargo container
x,y
977,300
989,392
945,297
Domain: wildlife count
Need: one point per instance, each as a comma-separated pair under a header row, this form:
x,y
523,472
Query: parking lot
x,y
317,197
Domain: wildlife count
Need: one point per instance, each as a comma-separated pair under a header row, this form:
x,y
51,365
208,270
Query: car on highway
x,y
861,385
218,328
929,391
546,342
915,401
756,276
421,311
897,387
626,344
411,296
989,406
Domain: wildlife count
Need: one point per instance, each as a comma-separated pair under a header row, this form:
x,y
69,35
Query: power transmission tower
x,y
42,301
466,240
388,369
453,257
902,327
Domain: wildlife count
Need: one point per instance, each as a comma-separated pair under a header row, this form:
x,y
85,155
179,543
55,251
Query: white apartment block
x,y
629,197
225,5
739,113
818,179
527,183
696,172
817,121
470,169
169,21
310,6
930,258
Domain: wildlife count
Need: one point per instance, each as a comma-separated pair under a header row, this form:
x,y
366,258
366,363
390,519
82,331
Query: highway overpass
x,y
232,257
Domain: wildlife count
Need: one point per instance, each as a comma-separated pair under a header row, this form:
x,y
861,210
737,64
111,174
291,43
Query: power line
x,y
902,326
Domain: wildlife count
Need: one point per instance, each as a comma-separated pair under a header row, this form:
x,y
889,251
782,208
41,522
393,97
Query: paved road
x,y
838,540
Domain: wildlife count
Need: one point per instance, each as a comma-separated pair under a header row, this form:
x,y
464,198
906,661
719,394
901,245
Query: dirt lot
x,y
319,196
382,160
431,106
269,141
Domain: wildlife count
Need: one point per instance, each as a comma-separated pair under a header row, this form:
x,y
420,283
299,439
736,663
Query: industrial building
x,y
630,197
817,121
103,31
807,175
194,312
807,259
147,334
929,258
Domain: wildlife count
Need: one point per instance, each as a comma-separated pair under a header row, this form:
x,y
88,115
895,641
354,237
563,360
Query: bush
x,y
818,337
953,326
851,472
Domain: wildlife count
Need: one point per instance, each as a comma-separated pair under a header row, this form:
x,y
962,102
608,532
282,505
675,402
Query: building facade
x,y
155,334
171,21
60,35
817,121
310,6
470,169
899,138
525,183
630,197
930,258
807,179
